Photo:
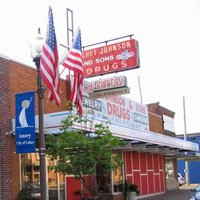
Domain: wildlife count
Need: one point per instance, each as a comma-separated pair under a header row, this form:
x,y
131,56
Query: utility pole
x,y
185,138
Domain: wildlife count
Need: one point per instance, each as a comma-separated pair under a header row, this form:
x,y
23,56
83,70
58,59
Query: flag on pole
x,y
74,62
49,62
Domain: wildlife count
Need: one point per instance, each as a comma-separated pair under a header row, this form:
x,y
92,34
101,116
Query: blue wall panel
x,y
194,166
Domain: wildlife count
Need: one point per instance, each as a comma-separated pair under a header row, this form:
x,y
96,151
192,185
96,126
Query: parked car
x,y
181,179
196,196
196,189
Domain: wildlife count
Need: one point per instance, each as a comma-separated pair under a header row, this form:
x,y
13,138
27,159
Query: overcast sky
x,y
168,33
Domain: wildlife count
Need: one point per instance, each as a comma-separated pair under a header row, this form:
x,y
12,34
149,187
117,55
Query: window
x,y
30,177
117,175
169,169
114,179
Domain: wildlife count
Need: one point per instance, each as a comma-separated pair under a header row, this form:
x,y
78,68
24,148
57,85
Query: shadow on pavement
x,y
183,193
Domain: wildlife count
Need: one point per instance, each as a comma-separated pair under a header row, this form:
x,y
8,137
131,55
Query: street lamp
x,y
36,50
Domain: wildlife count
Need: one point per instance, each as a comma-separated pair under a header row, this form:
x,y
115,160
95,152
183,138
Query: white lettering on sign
x,y
28,136
106,49
141,118
92,103
89,53
115,82
115,47
104,59
108,93
107,67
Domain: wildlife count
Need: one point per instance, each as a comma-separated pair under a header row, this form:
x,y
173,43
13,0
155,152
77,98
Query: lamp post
x,y
36,50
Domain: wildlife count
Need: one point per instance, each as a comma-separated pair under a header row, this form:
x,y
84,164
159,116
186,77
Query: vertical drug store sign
x,y
111,58
123,113
25,122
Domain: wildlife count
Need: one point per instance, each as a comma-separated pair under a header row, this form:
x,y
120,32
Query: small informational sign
x,y
168,123
25,122
109,93
92,104
111,58
109,83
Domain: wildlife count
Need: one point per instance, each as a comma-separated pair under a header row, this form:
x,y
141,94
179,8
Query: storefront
x,y
144,158
144,165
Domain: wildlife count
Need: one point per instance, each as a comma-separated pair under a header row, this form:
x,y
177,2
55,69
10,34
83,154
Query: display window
x,y
117,174
30,177
169,169
113,182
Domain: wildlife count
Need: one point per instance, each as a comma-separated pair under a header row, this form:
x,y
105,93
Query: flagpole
x,y
141,101
185,138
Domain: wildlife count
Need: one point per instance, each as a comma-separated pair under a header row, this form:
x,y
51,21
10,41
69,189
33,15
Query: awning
x,y
145,141
186,157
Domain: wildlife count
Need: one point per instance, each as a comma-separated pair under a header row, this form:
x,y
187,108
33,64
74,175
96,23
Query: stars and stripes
x,y
74,62
49,62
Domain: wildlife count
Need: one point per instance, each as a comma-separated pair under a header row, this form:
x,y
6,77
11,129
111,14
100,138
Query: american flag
x,y
74,62
49,62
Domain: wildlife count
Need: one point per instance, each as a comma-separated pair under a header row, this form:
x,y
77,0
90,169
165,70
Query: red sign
x,y
111,58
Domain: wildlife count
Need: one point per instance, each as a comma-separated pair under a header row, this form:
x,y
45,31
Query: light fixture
x,y
36,50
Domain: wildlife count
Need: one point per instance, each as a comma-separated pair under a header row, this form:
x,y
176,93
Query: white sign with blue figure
x,y
25,122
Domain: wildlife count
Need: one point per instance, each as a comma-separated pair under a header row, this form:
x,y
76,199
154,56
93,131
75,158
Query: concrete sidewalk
x,y
183,193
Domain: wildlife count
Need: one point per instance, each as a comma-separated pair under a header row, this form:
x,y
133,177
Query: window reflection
x,y
169,169
118,176
106,181
30,176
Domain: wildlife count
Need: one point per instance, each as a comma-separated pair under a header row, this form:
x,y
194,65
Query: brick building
x,y
15,78
144,162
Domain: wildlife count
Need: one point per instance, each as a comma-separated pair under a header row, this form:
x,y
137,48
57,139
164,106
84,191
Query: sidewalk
x,y
183,193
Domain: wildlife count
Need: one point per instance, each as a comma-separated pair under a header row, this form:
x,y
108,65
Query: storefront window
x,y
30,173
30,176
169,169
117,175
107,182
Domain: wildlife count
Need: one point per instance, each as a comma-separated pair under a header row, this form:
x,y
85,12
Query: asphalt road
x,y
183,193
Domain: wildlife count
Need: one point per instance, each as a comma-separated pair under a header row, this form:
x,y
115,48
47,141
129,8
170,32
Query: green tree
x,y
80,152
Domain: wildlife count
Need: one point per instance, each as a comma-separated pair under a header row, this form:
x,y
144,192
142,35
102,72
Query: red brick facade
x,y
157,111
16,78
155,122
5,126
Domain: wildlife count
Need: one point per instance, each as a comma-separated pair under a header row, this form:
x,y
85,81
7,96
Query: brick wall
x,y
158,110
5,126
155,123
24,79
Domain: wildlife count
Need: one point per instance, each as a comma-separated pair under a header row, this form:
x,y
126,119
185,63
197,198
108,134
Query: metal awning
x,y
186,157
162,141
151,141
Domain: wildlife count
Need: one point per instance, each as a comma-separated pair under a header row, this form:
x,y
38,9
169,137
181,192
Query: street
x,y
184,193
